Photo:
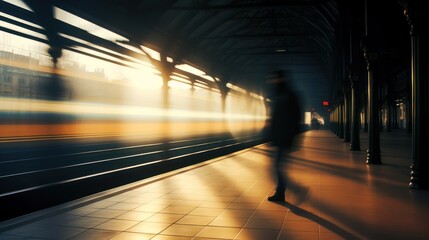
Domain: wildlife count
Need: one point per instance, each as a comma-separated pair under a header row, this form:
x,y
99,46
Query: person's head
x,y
277,81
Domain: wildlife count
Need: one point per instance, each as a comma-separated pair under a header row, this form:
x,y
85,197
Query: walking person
x,y
283,125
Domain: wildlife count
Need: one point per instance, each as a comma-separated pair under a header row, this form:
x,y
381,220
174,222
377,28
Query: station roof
x,y
239,41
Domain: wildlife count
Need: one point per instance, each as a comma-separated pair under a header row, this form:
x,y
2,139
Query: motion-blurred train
x,y
100,90
103,114
34,102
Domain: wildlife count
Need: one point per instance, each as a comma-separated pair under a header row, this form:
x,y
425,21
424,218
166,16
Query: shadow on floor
x,y
322,222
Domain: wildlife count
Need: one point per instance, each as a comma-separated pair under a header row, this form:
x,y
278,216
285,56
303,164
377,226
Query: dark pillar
x,y
341,120
347,114
409,113
166,69
334,120
389,117
337,120
373,152
364,99
354,107
390,106
54,86
415,12
355,137
371,53
395,118
380,105
221,83
224,102
365,115
333,123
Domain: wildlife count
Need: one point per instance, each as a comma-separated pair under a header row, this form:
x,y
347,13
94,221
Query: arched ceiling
x,y
239,41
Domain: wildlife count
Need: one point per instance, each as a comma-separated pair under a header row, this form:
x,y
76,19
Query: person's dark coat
x,y
285,119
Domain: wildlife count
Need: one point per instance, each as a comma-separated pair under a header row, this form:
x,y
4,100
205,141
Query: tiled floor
x,y
225,198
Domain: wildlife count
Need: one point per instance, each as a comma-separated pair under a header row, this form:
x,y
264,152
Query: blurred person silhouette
x,y
282,127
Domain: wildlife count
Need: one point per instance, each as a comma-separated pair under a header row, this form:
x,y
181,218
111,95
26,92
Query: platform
x,y
225,198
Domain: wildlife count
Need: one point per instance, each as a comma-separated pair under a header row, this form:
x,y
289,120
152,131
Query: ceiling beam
x,y
203,6
257,36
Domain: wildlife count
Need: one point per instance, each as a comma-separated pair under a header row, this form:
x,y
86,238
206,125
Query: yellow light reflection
x,y
102,97
249,114
29,105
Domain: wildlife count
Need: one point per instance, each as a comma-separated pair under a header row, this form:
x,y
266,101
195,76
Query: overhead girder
x,y
327,15
221,34
247,5
170,5
325,52
45,17
76,32
70,30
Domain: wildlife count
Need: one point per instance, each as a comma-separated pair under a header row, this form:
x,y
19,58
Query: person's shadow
x,y
323,222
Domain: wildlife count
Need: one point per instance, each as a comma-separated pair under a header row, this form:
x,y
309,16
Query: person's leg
x,y
279,195
281,184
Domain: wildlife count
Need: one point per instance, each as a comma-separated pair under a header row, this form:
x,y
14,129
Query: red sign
x,y
325,103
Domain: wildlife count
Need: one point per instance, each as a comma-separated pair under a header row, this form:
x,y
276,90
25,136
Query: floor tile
x,y
106,213
86,222
200,211
164,218
148,227
257,234
135,215
196,220
182,230
95,234
116,225
132,236
218,232
348,200
229,222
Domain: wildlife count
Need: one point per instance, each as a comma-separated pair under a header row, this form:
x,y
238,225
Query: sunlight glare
x,y
20,4
88,26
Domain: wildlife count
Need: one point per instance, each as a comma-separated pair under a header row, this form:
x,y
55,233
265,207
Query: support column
x,y
416,15
353,81
165,98
365,115
337,121
54,87
371,53
347,114
373,152
221,83
341,120
355,136
333,123
390,106
166,69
